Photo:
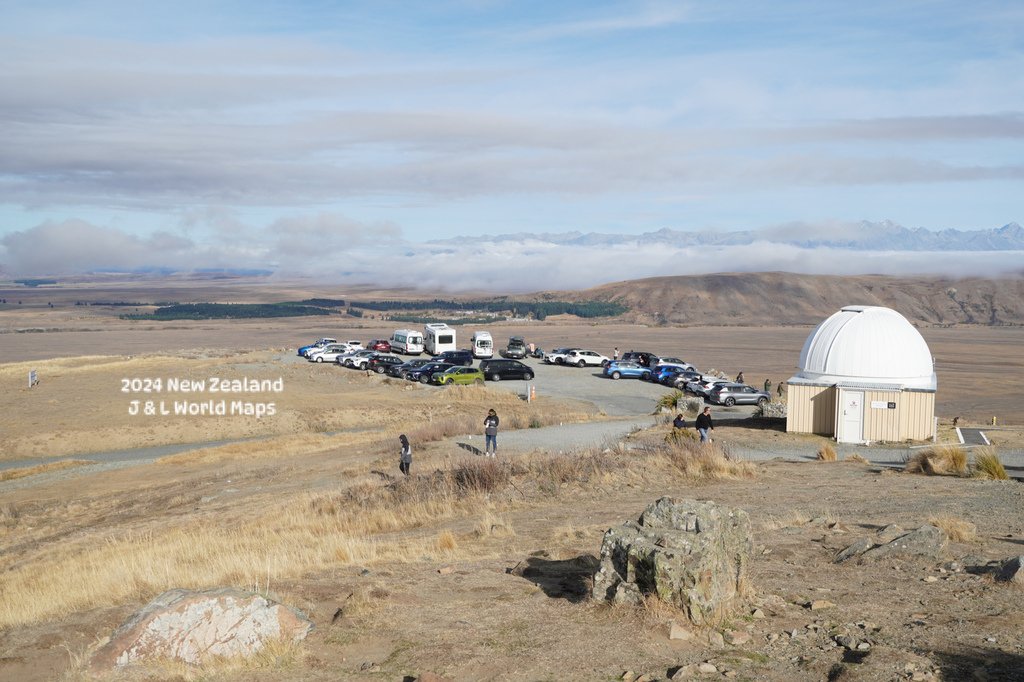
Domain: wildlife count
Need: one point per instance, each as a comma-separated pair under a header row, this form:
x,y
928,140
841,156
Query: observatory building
x,y
866,374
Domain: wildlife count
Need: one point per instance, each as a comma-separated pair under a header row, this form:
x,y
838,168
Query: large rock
x,y
188,626
926,541
690,554
1012,570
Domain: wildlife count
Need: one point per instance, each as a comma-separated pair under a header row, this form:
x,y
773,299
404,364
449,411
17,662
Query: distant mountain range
x,y
861,236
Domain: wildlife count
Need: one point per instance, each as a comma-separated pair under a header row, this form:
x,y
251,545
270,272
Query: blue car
x,y
630,370
304,351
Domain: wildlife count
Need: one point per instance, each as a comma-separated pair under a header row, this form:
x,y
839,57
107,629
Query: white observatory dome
x,y
867,345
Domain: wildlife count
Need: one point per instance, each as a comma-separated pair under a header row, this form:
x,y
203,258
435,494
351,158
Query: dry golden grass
x,y
11,474
940,460
957,530
706,461
827,453
988,466
446,541
860,459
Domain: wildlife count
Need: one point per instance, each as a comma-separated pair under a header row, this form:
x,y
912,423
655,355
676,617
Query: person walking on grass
x,y
405,457
491,434
768,386
704,425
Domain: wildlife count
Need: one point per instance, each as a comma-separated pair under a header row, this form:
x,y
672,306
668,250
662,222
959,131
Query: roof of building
x,y
867,345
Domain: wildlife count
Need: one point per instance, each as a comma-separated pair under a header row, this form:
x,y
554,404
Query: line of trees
x,y
219,311
539,309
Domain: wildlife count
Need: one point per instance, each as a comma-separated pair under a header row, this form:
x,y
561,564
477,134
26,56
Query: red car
x,y
381,345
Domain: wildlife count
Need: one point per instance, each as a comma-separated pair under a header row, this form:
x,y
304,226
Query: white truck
x,y
408,341
438,337
482,345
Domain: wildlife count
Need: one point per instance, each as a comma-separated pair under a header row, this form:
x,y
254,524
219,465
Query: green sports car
x,y
458,375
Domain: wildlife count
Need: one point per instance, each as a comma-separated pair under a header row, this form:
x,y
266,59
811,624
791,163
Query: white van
x,y
482,344
408,341
438,337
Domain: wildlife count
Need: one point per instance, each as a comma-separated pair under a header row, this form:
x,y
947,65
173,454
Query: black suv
x,y
496,370
456,357
380,363
423,372
641,358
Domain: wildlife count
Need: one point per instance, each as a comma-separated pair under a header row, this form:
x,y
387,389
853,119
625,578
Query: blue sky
x,y
221,133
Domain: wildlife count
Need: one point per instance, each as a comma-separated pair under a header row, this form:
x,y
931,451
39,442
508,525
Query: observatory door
x,y
851,417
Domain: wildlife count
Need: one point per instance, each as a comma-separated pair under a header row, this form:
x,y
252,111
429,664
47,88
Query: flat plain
x,y
402,577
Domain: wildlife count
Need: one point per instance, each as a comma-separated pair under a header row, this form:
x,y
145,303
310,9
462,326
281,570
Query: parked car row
x,y
456,367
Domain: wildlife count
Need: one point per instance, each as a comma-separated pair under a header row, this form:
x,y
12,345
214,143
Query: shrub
x,y
669,400
940,460
827,453
955,529
679,436
988,466
481,477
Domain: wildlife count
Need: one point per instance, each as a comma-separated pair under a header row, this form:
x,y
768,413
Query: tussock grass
x,y
11,474
827,453
941,460
396,520
856,458
987,465
669,401
957,530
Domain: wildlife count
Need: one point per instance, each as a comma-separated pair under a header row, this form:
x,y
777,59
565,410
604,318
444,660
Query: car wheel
x,y
646,376
495,377
379,370
616,375
761,401
424,380
528,376
478,382
581,364
729,402
319,359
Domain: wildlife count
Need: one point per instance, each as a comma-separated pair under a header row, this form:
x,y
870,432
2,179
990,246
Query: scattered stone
x,y
737,637
707,668
446,570
931,579
1012,571
856,549
646,677
716,639
677,631
731,674
888,534
819,604
686,672
845,641
690,554
187,626
757,614
629,676
927,541
863,646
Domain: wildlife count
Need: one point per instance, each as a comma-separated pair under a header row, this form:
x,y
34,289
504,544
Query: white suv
x,y
582,358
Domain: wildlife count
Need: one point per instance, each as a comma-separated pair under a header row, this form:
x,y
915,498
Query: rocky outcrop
x,y
188,626
1012,571
893,541
691,554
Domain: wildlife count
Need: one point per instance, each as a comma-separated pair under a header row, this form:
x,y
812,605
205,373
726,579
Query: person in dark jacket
x,y
405,457
491,434
704,425
679,422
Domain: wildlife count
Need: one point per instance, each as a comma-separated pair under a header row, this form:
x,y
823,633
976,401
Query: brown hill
x,y
780,298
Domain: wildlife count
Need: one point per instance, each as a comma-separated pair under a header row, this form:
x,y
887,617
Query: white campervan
x,y
483,345
438,337
408,341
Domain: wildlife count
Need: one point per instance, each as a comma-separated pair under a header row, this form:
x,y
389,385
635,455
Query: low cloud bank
x,y
337,250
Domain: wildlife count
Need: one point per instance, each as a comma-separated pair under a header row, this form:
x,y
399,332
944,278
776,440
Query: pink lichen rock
x,y
190,626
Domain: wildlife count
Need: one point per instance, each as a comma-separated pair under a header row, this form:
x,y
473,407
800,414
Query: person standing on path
x,y
768,386
615,354
405,458
704,425
739,377
491,434
779,389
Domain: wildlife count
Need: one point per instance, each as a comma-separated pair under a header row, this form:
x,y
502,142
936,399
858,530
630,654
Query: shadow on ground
x,y
972,663
569,579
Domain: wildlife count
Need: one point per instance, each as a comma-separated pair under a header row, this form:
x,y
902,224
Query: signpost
x,y
33,379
